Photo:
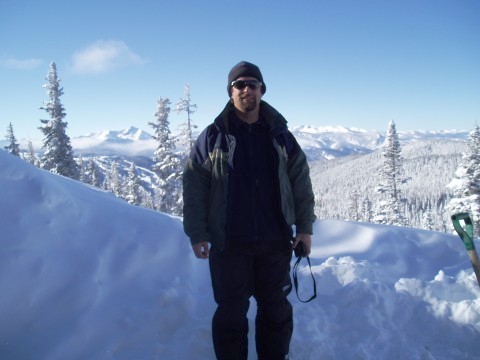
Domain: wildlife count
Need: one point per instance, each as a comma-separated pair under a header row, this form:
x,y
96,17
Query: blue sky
x,y
355,63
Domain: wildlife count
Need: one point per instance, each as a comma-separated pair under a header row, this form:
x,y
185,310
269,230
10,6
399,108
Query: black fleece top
x,y
254,213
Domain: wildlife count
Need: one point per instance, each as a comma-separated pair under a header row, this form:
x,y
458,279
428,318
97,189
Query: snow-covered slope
x,y
84,275
428,164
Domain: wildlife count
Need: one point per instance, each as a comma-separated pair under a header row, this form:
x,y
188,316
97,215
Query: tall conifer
x,y
167,164
466,183
58,155
186,135
13,147
389,210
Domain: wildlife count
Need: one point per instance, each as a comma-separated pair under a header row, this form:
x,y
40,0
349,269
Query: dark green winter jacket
x,y
205,179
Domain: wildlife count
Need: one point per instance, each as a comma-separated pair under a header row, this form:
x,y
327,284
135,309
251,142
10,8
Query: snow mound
x,y
84,275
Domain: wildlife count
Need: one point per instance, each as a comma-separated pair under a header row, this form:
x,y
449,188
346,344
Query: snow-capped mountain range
x,y
319,142
131,141
326,142
126,135
331,142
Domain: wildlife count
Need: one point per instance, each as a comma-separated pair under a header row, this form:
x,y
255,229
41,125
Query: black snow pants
x,y
236,276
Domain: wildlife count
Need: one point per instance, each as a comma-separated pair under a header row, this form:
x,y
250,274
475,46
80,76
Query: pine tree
x,y
147,199
12,147
186,134
353,206
367,212
113,181
167,164
92,173
427,221
31,157
466,184
82,170
58,156
132,195
389,210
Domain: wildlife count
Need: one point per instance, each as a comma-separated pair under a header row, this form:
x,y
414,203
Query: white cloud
x,y
20,64
103,56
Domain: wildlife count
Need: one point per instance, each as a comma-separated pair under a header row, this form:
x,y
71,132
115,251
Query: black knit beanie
x,y
244,68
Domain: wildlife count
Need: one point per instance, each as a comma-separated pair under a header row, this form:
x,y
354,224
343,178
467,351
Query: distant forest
x,y
342,185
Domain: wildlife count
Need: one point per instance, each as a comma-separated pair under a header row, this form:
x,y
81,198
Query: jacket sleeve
x,y
303,197
196,191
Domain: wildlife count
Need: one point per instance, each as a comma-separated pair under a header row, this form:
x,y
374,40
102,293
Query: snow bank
x,y
85,275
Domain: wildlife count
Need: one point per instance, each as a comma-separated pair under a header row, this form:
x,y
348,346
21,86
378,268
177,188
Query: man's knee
x,y
275,312
231,314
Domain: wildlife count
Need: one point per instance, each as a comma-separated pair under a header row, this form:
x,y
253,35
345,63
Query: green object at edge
x,y
466,234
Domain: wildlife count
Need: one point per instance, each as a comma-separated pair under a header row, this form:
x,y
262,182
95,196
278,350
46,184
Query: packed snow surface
x,y
84,275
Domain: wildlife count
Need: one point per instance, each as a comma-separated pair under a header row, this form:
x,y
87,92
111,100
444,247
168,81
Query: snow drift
x,y
85,275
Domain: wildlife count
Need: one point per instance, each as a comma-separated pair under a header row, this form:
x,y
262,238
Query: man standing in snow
x,y
246,183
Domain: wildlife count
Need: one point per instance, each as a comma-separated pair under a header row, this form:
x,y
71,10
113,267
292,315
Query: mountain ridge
x,y
318,142
327,142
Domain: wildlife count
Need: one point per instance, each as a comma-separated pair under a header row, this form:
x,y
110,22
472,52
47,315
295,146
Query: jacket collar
x,y
275,121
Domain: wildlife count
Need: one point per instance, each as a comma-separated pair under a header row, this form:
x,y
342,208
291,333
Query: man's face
x,y
246,99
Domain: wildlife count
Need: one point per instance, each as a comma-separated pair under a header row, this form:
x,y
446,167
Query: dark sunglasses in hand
x,y
241,84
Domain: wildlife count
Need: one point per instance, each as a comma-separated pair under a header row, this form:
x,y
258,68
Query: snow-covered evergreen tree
x,y
13,147
92,173
147,199
186,135
31,157
367,213
82,170
113,181
466,183
167,165
389,209
132,194
58,156
427,221
353,206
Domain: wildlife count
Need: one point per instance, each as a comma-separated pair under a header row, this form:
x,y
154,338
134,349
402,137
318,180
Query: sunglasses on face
x,y
242,84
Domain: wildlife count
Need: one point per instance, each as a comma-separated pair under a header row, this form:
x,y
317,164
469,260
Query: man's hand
x,y
306,239
201,250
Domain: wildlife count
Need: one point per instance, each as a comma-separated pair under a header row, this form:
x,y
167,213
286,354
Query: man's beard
x,y
249,104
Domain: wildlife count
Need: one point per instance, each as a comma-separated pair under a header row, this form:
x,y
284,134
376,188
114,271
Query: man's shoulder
x,y
211,136
208,130
272,115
